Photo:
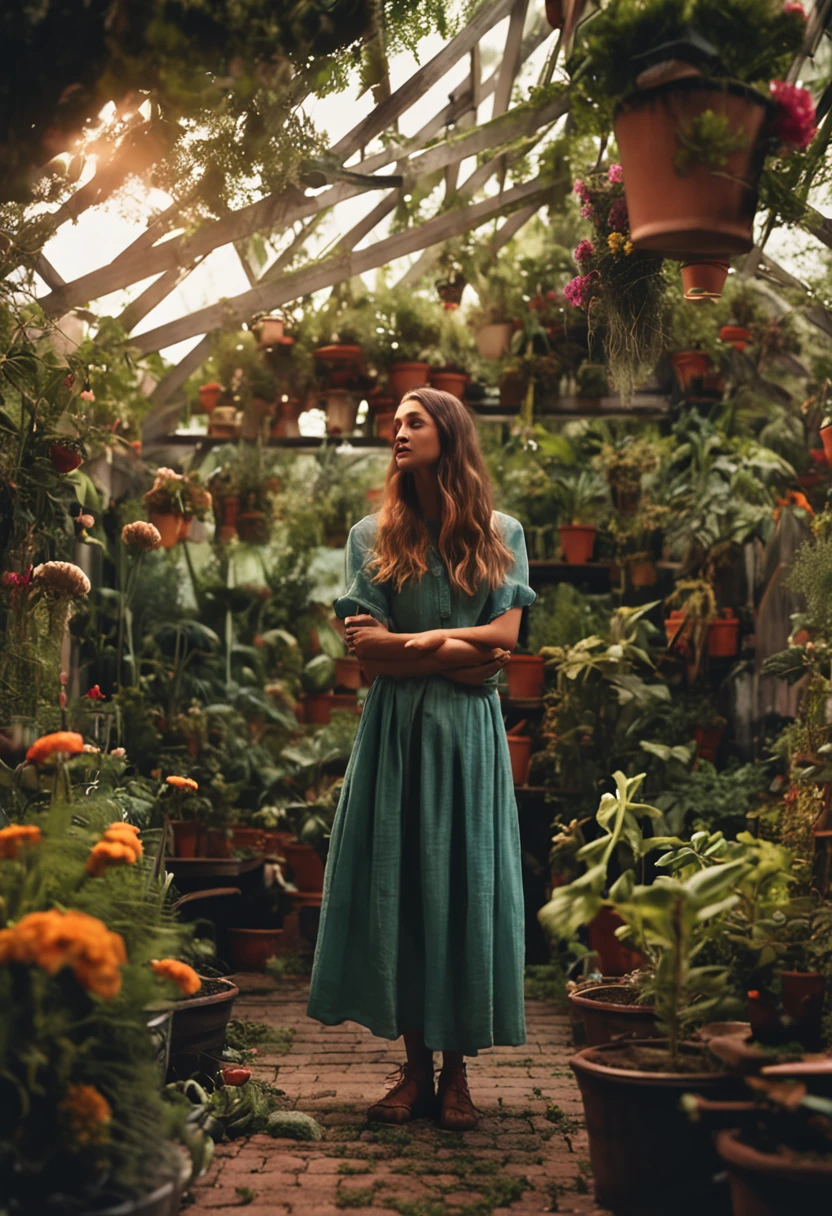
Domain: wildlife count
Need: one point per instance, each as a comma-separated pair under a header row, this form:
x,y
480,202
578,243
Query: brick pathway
x,y
528,1156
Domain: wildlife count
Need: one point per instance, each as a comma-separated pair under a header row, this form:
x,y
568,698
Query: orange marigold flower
x,y
67,742
89,1113
185,978
12,839
182,783
54,940
109,853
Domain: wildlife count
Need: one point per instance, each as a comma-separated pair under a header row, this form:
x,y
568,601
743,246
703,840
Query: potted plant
x,y
165,502
704,278
408,328
624,463
456,359
680,84
631,1090
209,396
580,495
499,287
618,287
196,503
688,624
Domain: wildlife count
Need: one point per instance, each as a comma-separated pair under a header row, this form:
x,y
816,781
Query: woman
x,y
422,929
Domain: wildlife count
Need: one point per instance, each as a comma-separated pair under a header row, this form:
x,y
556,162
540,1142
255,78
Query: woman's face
x,y
416,440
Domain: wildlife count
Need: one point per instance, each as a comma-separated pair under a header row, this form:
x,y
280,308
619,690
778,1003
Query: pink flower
x,y
14,581
580,189
588,211
87,395
794,123
616,173
584,251
618,218
580,291
794,8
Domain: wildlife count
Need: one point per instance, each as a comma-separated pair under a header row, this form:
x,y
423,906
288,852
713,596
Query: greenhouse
x,y
415,628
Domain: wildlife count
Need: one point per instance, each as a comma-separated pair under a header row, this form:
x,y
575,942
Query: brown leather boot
x,y
456,1110
412,1097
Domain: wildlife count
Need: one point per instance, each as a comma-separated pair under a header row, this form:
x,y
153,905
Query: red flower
x,y
66,455
235,1076
794,123
14,581
94,694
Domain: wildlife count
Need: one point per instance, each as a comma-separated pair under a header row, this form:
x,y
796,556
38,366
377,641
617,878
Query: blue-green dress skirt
x,y
422,920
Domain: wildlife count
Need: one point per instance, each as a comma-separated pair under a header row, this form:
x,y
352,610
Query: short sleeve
x,y
362,594
514,591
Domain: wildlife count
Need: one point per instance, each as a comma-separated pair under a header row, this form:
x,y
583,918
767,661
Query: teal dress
x,y
422,924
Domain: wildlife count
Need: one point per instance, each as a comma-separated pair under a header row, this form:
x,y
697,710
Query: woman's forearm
x,y
502,632
391,646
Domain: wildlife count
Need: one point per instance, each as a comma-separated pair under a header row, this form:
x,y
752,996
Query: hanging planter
x,y
341,411
169,525
402,378
577,542
705,279
269,331
451,289
724,636
449,382
493,340
209,396
696,209
735,335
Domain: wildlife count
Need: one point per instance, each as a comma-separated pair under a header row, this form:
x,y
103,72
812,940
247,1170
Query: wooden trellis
x,y
403,162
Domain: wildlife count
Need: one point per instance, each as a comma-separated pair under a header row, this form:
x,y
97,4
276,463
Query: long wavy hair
x,y
469,543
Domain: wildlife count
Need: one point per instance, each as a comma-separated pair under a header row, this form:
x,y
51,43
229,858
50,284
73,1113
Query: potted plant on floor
x,y
631,1090
581,497
681,85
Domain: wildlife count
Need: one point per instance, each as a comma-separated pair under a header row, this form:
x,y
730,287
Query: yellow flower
x,y
88,1112
185,978
615,242
13,838
628,248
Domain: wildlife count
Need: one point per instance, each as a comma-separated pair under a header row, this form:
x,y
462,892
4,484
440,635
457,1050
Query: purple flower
x,y
580,189
616,173
618,219
584,251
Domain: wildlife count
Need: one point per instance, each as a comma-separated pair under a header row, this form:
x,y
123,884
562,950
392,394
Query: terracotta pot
x,y
449,382
223,423
614,958
643,574
648,1158
185,527
209,396
383,423
577,542
249,838
253,527
342,362
168,524
826,440
217,843
520,750
252,948
702,211
186,835
402,378
493,340
773,1184
341,411
704,280
554,13
276,841
306,866
348,673
345,702
317,708
524,675
802,996
708,739
724,636
735,335
605,1019
269,330
691,368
